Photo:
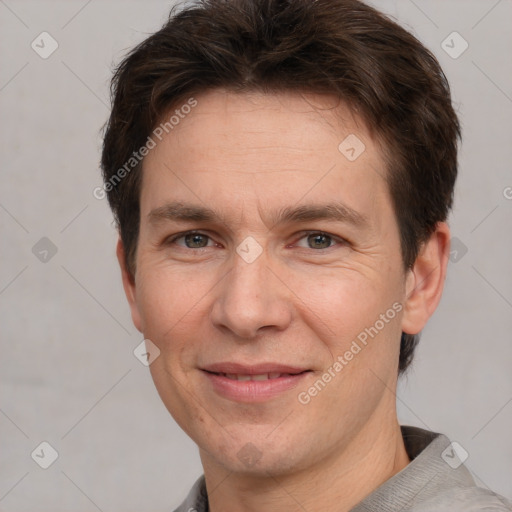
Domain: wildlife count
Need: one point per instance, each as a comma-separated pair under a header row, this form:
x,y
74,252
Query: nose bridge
x,y
251,297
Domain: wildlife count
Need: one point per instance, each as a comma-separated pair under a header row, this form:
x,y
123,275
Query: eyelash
x,y
341,241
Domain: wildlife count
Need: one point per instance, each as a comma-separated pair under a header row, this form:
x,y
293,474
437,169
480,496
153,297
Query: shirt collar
x,y
434,468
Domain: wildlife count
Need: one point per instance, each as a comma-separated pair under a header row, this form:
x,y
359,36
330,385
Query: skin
x,y
301,302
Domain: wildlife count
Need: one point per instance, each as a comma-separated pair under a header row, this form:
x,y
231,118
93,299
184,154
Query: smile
x,y
252,384
261,376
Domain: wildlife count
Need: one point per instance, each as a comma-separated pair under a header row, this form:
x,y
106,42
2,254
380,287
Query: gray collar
x,y
434,468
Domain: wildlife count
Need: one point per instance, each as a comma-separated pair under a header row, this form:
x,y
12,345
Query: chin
x,y
257,455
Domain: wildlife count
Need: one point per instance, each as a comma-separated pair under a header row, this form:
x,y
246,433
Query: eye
x,y
192,239
320,240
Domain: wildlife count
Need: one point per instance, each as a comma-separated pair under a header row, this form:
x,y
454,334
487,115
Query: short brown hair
x,y
337,47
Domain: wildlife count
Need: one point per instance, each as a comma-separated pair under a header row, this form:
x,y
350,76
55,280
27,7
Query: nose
x,y
252,297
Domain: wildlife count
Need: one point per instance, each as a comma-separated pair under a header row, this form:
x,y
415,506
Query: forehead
x,y
244,120
237,148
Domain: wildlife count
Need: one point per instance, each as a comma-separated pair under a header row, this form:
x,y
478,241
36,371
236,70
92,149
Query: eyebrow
x,y
178,211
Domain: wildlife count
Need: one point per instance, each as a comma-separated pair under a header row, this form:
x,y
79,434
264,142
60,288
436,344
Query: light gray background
x,y
68,374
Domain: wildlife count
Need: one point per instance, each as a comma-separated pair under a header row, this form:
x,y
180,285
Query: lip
x,y
253,369
253,391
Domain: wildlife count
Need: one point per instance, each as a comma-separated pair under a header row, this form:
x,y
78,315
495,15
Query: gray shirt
x,y
435,480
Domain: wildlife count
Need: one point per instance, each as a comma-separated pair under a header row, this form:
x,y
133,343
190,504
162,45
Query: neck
x,y
337,483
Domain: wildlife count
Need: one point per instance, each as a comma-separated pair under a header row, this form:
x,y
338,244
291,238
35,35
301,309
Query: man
x,y
281,174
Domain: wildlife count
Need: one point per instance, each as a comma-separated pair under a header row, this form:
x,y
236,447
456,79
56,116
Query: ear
x,y
425,280
129,286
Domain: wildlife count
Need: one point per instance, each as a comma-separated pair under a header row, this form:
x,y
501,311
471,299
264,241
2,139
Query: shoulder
x,y
431,482
468,499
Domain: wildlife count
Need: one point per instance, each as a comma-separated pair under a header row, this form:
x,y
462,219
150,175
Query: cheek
x,y
340,300
167,299
354,316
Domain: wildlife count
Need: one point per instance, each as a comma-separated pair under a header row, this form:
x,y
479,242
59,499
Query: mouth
x,y
255,383
260,376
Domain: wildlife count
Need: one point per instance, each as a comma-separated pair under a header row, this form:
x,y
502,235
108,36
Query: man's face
x,y
255,291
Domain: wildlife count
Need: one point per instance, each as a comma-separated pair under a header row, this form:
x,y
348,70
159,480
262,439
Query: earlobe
x,y
425,280
129,286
